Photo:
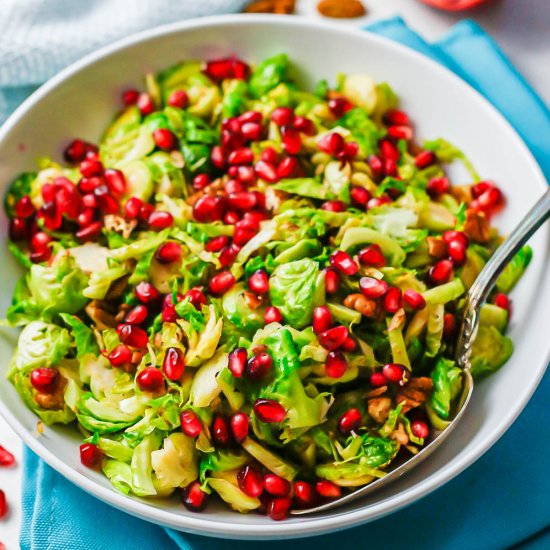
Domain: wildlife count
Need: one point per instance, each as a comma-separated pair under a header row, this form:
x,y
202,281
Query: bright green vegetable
x,y
490,351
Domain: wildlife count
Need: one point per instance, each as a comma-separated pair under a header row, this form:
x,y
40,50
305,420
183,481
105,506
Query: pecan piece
x,y
476,226
400,435
379,408
362,304
271,6
101,314
53,401
341,9
436,247
377,391
414,393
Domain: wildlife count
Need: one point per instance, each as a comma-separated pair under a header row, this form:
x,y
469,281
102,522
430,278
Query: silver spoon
x,y
475,298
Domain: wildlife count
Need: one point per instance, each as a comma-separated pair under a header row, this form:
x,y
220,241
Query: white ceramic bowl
x,y
81,100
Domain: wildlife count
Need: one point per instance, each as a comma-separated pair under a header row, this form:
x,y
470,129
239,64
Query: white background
x,y
518,26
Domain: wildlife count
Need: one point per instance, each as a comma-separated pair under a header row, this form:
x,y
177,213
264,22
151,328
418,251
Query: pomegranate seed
x,y
44,379
449,325
215,244
257,216
168,253
269,155
244,231
19,230
414,299
116,182
266,171
377,379
136,315
389,151
130,97
41,256
89,168
395,374
145,212
200,181
390,167
420,429
90,455
242,201
221,434
456,252
292,140
221,283
3,505
208,209
241,156
502,301
89,185
327,489
349,344
276,486
24,207
373,288
400,132
336,364
105,201
334,206
392,300
89,202
378,201
283,116
481,187
219,69
277,508
304,495
250,481
165,139
304,125
349,421
258,366
51,215
267,410
425,159
6,458
40,242
272,315
343,262
250,116
332,280
173,364
252,131
287,168
48,192
441,272
145,104
178,98
150,379
160,220
438,186
120,355
332,143
239,426
258,282
132,335
237,361
228,254
76,151
132,207
190,424
339,106
146,292
359,196
376,165
396,116
231,218
459,236
333,338
87,216
351,150
372,256
196,297
193,497
489,200
217,156
322,319
245,175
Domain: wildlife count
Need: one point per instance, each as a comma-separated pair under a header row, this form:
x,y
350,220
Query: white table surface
x,y
519,27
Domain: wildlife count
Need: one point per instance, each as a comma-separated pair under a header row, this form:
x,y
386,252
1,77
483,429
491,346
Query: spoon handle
x,y
485,281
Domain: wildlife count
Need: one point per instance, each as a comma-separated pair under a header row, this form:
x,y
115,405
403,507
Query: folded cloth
x,y
500,501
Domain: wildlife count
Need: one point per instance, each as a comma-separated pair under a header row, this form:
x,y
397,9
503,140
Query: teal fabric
x,y
501,501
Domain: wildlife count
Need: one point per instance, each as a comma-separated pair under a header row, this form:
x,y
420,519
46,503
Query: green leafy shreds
x,y
186,310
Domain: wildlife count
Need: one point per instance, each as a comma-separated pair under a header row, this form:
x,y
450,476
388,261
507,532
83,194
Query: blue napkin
x,y
501,501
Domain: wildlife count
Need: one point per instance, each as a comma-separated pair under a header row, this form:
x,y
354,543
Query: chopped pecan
x,y
101,314
122,311
252,300
362,304
462,193
376,392
437,247
274,198
476,226
285,7
114,222
400,435
341,9
414,393
379,408
52,401
116,289
213,189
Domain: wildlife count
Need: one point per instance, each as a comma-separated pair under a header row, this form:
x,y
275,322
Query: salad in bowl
x,y
250,290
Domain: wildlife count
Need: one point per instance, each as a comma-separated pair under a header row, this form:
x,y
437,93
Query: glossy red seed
x,y
228,254
221,433
220,69
243,155
76,151
239,426
221,283
4,508
269,411
44,379
392,300
376,165
276,486
359,196
218,157
425,159
173,364
200,181
292,140
349,344
332,280
250,116
304,494
237,361
343,262
146,292
132,335
449,326
373,288
250,481
40,242
87,216
389,151
459,236
164,139
178,98
252,131
420,429
395,374
371,256
24,207
272,315
378,201
169,252
502,301
196,297
120,355
327,489
457,253
258,282
242,201
269,155
193,497
349,421
266,171
377,379
132,208
287,168
333,338
145,211
145,104
438,186
400,132
390,167
241,71
441,272
130,97
336,364
51,215
6,458
48,192
258,366
245,175
89,168
190,424
244,231
90,202
231,217
350,151
304,125
150,379
137,315
90,455
215,244
283,116
339,106
160,220
18,229
322,319
414,299
332,143
277,508
208,209
334,206
105,201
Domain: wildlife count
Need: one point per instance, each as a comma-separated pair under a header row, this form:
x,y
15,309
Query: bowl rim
x,y
316,525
